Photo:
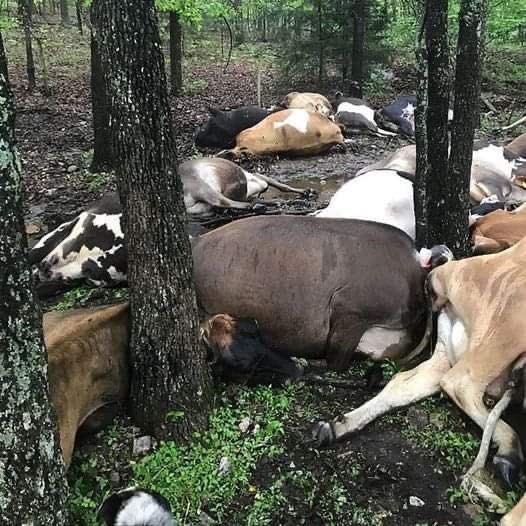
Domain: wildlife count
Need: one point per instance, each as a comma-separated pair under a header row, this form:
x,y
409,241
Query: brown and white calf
x,y
87,367
313,102
294,131
480,337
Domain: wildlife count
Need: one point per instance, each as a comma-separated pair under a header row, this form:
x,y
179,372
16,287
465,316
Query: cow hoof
x,y
323,434
509,470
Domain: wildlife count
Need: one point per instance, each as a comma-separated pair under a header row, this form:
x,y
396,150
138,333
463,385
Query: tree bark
x,y
470,49
436,193
321,44
102,151
64,12
176,53
25,12
170,384
358,42
78,8
33,487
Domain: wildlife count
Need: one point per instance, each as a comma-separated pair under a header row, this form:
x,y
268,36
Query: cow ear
x,y
214,111
338,95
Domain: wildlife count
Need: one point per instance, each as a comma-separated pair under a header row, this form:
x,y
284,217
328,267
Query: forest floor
x,y
401,470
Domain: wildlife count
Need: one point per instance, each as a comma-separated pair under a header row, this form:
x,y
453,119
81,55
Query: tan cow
x,y
498,230
296,132
88,365
517,516
480,337
313,102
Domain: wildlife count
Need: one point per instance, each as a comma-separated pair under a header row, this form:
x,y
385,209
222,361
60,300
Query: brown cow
x,y
87,365
498,230
296,132
480,336
313,102
517,516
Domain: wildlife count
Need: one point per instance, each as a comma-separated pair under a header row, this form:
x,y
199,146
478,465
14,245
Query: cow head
x,y
236,350
216,132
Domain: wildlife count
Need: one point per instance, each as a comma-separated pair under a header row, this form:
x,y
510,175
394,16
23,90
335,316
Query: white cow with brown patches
x,y
313,102
480,337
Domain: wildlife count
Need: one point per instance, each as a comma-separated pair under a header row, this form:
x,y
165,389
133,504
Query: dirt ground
x,y
381,467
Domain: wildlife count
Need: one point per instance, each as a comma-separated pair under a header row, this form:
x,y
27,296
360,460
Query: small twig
x,y
488,104
231,43
514,124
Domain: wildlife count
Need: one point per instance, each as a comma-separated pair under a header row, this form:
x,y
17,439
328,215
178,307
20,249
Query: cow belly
x,y
452,334
380,343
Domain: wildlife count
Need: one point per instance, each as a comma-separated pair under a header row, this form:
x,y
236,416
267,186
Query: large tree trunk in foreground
x,y
25,11
176,53
102,152
472,18
433,187
33,487
358,42
170,385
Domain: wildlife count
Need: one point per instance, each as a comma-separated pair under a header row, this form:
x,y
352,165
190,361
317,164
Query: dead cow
x,y
498,230
480,327
318,288
87,366
295,131
91,247
313,102
517,516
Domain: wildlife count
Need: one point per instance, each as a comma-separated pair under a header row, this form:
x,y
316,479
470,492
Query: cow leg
x,y
462,385
207,194
517,516
405,388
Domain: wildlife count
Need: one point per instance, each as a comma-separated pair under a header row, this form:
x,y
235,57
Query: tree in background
x,y
64,12
176,53
25,10
358,43
33,487
170,384
441,184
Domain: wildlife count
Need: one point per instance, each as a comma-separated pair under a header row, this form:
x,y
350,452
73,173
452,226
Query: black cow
x,y
402,113
223,126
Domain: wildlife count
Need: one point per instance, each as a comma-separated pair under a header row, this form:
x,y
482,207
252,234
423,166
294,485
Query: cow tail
x,y
426,338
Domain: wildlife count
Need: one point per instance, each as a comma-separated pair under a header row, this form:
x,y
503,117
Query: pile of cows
x,y
346,279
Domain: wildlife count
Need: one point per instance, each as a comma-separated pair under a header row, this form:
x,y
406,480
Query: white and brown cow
x,y
313,102
480,338
87,367
517,516
294,132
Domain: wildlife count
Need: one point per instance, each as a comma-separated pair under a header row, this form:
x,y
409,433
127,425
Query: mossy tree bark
x,y
470,50
170,385
33,487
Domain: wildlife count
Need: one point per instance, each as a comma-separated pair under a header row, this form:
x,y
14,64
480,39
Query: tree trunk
x,y
435,191
33,487
470,49
358,41
25,12
176,53
78,7
321,45
170,385
64,12
102,151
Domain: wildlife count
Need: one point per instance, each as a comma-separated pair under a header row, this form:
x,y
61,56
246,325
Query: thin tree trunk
x,y
45,79
33,487
437,204
170,386
470,49
422,165
358,41
24,10
176,53
78,7
321,45
64,12
102,151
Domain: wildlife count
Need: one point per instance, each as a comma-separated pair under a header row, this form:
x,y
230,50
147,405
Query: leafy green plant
x,y
72,297
211,471
97,180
